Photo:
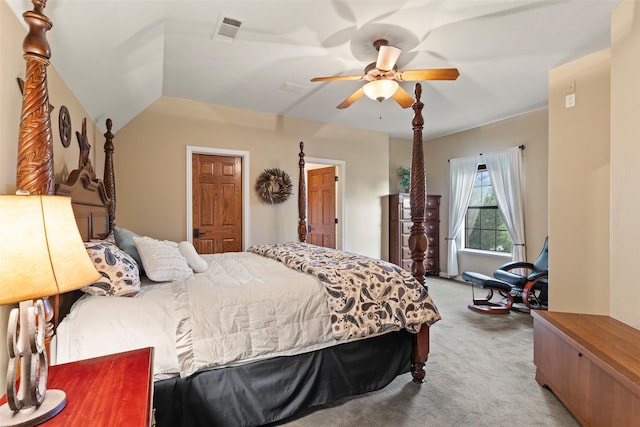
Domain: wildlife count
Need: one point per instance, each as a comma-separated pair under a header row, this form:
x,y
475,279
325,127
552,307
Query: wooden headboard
x,y
93,204
90,203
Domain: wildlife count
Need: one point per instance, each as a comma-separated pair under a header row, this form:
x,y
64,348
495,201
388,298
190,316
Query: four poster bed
x,y
259,356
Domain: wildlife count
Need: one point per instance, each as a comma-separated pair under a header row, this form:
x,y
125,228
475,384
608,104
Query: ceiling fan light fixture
x,y
380,90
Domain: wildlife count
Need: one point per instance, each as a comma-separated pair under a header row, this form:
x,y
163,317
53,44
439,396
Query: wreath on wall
x,y
274,186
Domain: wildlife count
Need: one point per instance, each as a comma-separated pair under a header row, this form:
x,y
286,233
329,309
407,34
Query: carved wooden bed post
x,y
34,172
418,189
302,198
109,174
418,238
35,142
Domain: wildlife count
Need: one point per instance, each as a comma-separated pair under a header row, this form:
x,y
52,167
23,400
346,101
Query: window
x,y
484,225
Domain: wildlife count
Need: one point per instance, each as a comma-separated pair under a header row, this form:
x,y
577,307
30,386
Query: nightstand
x,y
113,390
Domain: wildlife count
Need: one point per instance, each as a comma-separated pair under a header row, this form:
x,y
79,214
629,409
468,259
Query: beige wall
x,y
12,33
625,152
529,130
11,36
596,261
150,169
579,186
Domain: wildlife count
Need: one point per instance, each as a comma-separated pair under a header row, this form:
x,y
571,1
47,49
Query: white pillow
x,y
195,261
161,259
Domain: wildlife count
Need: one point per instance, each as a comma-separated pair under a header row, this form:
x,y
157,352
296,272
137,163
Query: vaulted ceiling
x,y
119,56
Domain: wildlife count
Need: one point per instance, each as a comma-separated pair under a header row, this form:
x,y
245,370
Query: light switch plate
x,y
570,100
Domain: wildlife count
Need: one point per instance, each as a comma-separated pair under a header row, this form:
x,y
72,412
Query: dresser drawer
x,y
433,202
431,263
400,231
431,214
406,214
406,252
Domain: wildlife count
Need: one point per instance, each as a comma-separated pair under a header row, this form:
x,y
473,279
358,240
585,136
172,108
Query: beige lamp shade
x,y
41,251
387,57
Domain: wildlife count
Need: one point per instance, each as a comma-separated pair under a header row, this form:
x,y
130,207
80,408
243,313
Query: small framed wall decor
x,y
64,124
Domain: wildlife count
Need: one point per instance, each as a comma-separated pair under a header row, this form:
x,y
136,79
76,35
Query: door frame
x,y
193,149
340,193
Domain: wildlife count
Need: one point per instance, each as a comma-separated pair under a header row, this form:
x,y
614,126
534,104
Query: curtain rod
x,y
521,147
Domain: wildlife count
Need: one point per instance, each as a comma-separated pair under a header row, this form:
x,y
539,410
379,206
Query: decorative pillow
x,y
110,238
162,260
120,274
195,261
124,240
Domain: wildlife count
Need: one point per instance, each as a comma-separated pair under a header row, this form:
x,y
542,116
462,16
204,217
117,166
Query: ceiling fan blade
x,y
332,78
387,57
403,98
350,100
433,74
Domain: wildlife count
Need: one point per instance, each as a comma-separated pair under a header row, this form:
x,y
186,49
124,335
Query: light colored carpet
x,y
480,372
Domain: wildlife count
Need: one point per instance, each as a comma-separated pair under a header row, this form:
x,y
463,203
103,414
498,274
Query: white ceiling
x,y
119,56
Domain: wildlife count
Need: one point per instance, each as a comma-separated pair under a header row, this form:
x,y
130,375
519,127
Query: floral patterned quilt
x,y
366,296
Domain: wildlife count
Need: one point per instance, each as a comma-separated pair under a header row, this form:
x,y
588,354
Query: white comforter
x,y
245,307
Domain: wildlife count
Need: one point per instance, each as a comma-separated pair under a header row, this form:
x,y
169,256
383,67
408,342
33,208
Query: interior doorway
x,y
321,207
240,243
322,217
217,203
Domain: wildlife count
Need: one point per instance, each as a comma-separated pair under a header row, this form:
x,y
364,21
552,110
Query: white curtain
x,y
462,173
505,170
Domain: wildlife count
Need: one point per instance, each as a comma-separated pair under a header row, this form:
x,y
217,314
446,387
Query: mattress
x,y
244,308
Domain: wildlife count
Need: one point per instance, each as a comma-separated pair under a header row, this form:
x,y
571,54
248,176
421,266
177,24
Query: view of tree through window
x,y
484,224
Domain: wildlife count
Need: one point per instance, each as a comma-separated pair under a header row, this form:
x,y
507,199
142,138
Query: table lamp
x,y
41,254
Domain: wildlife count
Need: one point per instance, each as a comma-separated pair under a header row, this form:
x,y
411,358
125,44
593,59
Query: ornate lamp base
x,y
54,402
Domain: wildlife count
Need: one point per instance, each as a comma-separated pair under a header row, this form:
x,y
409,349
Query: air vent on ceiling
x,y
293,87
227,29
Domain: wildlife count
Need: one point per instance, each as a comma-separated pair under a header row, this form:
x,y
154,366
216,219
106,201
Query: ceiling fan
x,y
383,76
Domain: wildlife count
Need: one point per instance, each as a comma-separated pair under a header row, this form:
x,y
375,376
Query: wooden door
x,y
321,206
217,203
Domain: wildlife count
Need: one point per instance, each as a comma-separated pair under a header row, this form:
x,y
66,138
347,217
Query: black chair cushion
x,y
486,281
516,280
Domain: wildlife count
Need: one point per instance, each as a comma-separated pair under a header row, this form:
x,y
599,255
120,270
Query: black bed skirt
x,y
271,390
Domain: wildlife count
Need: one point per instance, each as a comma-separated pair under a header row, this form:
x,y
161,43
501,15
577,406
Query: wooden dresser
x,y
400,229
592,364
